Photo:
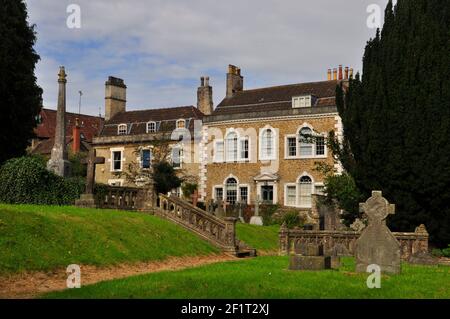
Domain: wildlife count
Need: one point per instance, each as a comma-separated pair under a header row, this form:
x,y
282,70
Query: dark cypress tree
x,y
20,96
397,116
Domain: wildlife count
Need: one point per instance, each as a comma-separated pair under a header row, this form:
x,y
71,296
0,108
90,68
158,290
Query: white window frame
x,y
262,156
122,159
301,101
115,181
299,204
120,129
148,130
214,192
320,184
227,150
240,149
286,146
286,186
216,158
314,144
248,192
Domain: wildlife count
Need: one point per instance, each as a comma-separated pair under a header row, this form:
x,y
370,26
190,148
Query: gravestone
x,y
87,199
256,219
241,217
58,162
219,210
310,257
377,245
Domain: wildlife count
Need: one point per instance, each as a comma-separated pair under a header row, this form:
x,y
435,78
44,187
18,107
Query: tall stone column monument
x,y
58,162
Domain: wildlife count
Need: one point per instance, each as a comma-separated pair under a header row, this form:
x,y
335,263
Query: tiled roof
x,y
165,118
45,147
277,98
90,125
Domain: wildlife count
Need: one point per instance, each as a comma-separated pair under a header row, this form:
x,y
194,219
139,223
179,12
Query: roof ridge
x,y
161,109
285,85
72,113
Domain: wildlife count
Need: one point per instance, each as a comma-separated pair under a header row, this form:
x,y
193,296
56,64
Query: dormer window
x,y
181,124
122,129
301,101
151,127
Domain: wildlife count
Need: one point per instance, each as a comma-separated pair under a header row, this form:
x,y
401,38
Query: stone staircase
x,y
219,232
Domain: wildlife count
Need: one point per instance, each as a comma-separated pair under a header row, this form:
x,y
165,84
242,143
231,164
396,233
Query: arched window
x,y
305,191
232,147
231,190
122,129
151,127
267,144
306,143
181,124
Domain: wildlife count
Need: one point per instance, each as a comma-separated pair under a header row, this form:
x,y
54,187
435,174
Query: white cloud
x,y
161,48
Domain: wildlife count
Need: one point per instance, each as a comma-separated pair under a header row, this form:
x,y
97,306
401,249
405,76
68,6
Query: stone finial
x,y
421,229
377,208
62,75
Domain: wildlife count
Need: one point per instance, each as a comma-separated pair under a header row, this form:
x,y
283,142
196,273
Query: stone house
x,y
255,145
134,137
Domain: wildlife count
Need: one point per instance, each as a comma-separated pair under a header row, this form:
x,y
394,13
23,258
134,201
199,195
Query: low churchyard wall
x,y
342,243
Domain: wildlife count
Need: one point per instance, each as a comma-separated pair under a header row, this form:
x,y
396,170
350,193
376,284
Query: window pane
x,y
290,195
244,148
146,158
306,147
320,145
267,144
219,151
305,191
219,194
117,161
244,194
292,146
231,190
232,149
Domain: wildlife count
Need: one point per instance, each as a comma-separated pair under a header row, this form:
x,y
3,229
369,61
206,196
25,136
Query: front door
x,y
267,194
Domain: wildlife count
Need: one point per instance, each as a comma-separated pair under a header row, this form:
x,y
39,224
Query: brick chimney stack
x,y
235,81
76,137
341,76
205,96
115,97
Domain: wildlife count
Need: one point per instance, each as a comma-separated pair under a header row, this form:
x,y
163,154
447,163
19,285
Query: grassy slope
x,y
49,237
259,237
268,277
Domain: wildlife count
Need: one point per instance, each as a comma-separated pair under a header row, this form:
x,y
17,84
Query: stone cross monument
x,y
58,162
256,219
87,199
377,245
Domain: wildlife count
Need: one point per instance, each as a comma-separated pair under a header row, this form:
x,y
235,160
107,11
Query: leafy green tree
x,y
397,116
165,177
19,93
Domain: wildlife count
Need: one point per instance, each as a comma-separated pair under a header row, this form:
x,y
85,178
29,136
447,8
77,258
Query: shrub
x,y
266,211
446,252
26,180
292,219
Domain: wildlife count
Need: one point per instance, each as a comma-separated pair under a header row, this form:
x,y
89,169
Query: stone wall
x,y
342,243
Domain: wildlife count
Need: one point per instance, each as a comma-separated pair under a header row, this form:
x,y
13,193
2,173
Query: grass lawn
x,y
48,237
268,277
259,237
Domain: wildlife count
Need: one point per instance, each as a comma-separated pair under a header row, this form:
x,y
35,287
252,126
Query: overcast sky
x,y
162,47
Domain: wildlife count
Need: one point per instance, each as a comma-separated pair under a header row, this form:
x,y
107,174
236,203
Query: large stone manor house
x,y
250,147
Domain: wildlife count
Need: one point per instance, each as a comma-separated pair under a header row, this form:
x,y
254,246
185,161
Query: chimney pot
x,y
340,72
329,75
351,73
334,74
346,72
76,138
